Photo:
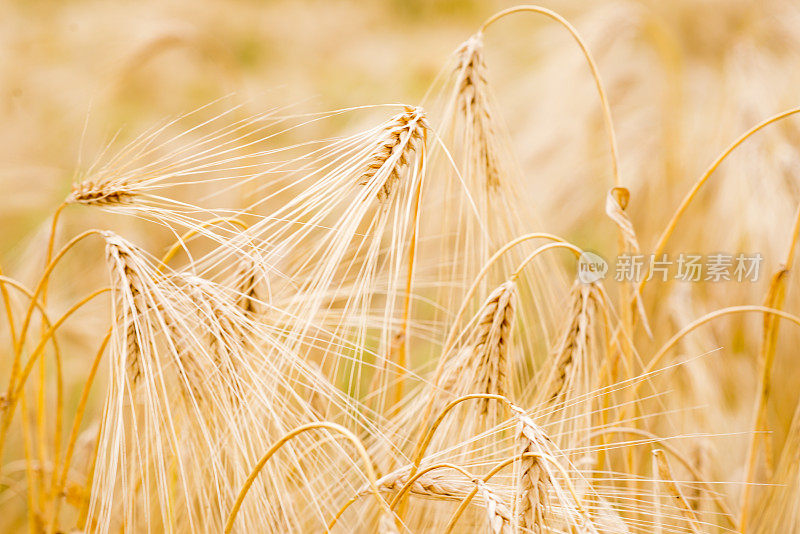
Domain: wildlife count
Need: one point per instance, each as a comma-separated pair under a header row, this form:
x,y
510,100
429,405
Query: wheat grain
x,y
102,193
402,136
495,521
472,102
484,363
533,481
131,303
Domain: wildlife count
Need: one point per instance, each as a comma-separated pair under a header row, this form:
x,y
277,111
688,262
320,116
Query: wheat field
x,y
449,266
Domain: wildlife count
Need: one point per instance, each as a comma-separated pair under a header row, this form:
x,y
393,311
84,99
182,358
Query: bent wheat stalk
x,y
332,427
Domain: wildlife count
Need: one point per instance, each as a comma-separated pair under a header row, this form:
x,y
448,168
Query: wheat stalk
x,y
674,491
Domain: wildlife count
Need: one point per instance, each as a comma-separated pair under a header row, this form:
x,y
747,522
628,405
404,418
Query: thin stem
x,y
402,353
180,243
608,122
41,416
662,352
59,483
8,413
6,281
544,248
370,472
39,289
30,476
9,311
46,322
673,222
36,292
651,365
426,440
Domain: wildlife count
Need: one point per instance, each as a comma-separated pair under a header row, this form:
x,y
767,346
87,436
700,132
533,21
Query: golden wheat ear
x,y
105,193
401,137
348,236
548,487
483,202
566,390
481,363
190,370
484,363
189,170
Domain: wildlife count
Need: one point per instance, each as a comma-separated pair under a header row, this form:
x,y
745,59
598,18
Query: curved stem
x,y
706,318
34,506
40,347
673,222
650,367
30,472
9,311
47,323
181,242
426,440
341,511
6,281
41,415
609,125
36,292
51,241
543,248
370,472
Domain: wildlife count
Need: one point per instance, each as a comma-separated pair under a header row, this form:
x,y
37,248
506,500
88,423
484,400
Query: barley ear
x,y
403,135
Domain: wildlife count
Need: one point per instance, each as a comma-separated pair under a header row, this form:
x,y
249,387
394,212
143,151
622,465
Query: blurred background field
x,y
684,79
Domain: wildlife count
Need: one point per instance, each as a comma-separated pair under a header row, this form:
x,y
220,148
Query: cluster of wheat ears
x,y
365,334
